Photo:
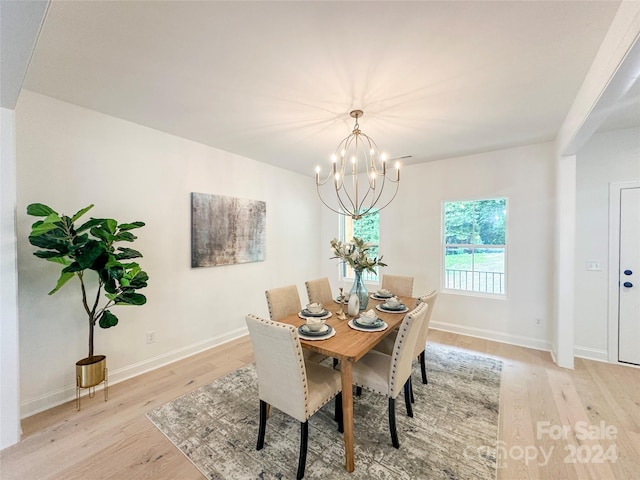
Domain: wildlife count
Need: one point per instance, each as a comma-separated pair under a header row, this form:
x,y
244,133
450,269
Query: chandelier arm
x,y
391,200
323,182
341,203
376,198
354,206
385,178
326,205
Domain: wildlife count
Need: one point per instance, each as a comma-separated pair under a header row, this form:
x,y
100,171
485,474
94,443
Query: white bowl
x,y
314,307
383,292
393,302
315,324
366,320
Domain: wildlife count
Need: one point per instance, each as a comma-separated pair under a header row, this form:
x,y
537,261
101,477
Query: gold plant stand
x,y
90,372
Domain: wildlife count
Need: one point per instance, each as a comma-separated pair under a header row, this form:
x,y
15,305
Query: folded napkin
x,y
369,314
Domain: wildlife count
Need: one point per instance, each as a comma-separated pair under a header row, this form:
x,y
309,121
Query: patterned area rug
x,y
452,435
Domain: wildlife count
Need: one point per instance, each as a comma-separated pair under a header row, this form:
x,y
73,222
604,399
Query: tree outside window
x,y
367,228
475,245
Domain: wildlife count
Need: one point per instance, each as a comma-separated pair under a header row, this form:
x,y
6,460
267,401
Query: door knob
x,y
628,272
628,284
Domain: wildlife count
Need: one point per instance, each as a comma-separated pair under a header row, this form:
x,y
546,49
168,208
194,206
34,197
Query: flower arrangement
x,y
356,254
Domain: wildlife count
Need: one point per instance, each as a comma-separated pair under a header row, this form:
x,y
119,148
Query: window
x,y
475,245
367,228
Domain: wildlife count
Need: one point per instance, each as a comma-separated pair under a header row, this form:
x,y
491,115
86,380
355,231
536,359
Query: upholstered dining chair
x,y
421,345
390,374
285,301
399,284
288,383
319,291
386,345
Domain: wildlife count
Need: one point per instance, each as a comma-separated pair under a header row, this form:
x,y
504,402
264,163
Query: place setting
x,y
392,305
315,328
314,310
368,322
382,294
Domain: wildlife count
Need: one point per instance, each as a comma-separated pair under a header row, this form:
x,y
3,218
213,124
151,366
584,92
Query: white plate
x,y
406,309
306,330
326,315
308,313
317,337
370,326
375,296
379,329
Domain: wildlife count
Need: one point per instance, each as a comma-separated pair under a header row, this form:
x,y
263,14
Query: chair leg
x,y
413,400
423,368
338,412
335,362
407,397
392,423
263,424
302,461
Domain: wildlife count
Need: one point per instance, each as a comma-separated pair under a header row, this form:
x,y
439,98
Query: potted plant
x,y
91,247
356,255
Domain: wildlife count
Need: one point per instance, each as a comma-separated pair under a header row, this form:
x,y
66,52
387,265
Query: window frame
x,y
346,273
474,247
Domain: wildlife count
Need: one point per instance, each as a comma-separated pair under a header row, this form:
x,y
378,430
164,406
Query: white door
x,y
629,280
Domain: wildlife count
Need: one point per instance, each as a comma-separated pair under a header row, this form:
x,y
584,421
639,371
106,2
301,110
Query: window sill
x,y
472,293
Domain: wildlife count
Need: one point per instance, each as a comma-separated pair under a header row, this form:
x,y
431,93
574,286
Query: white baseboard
x,y
554,355
46,401
493,335
591,353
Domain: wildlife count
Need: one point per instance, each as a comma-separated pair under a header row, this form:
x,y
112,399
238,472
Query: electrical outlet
x,y
538,322
593,266
151,337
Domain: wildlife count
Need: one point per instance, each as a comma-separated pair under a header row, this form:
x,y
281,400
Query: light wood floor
x,y
114,439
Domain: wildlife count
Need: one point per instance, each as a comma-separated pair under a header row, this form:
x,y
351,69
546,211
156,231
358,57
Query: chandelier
x,y
359,176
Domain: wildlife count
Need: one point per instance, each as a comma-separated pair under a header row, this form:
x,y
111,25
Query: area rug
x,y
452,435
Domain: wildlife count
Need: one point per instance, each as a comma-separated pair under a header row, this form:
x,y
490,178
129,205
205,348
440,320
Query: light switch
x,y
593,266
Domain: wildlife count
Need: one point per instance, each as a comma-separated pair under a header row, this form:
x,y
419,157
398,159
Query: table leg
x,y
347,413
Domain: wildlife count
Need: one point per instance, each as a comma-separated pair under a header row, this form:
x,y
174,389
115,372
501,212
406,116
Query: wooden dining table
x,y
349,346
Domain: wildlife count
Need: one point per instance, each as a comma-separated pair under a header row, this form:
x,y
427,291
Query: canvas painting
x,y
226,230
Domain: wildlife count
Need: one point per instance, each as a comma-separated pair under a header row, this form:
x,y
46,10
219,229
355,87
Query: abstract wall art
x,y
226,230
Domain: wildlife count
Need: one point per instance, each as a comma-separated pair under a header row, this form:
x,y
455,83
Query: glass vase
x,y
360,290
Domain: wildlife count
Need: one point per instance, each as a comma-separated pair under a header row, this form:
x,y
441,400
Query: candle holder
x,y
341,314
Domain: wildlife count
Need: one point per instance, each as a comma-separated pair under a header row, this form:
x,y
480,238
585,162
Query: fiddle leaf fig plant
x,y
91,247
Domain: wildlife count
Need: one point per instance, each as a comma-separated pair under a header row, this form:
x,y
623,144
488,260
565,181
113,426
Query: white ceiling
x,y
275,81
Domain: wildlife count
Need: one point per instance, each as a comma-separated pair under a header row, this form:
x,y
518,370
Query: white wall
x,y
605,158
9,394
410,239
70,157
